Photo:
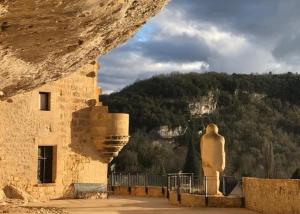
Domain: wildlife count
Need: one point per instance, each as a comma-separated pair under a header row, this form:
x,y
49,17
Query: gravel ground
x,y
19,207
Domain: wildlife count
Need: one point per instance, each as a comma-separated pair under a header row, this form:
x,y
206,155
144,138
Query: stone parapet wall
x,y
193,200
190,200
140,191
173,198
120,190
184,199
272,196
157,192
228,201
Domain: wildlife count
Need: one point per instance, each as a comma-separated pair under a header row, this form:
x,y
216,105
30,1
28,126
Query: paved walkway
x,y
133,205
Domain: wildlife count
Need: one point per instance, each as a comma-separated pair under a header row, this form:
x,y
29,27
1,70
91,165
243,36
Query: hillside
x,y
259,115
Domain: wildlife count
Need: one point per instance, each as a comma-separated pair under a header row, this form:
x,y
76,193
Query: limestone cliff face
x,y
167,132
203,105
44,40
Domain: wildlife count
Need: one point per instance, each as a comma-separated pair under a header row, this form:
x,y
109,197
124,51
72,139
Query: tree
x,y
259,115
268,158
192,163
296,174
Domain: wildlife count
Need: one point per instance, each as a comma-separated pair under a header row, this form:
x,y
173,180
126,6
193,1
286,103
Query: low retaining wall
x,y
142,191
173,198
157,192
225,201
138,191
272,196
184,199
120,190
192,200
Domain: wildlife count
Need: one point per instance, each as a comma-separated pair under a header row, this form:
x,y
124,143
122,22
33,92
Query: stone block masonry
x,y
64,130
140,191
193,200
272,196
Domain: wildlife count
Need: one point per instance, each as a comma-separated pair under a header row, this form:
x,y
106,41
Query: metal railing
x,y
179,182
185,183
137,179
195,184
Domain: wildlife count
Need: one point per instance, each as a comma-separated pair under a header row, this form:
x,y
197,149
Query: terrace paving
x,y
133,205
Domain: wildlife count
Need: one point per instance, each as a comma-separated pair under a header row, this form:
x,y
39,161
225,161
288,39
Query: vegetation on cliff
x,y
259,115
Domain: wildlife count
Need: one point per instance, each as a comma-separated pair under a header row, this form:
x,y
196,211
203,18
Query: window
x,y
45,164
44,101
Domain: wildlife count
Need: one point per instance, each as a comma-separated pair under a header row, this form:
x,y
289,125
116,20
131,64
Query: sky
x,y
230,36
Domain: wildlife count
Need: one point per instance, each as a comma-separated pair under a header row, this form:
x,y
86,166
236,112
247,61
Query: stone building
x,y
59,135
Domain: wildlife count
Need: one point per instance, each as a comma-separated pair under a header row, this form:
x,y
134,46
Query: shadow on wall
x,y
82,146
81,142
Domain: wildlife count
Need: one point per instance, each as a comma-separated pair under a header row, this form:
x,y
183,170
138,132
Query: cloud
x,y
230,36
120,70
288,50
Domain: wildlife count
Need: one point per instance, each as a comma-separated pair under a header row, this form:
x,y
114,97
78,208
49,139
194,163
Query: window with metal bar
x,y
45,164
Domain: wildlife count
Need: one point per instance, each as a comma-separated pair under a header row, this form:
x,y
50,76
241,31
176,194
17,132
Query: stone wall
x,y
184,199
272,196
194,200
157,192
140,191
173,198
24,127
191,200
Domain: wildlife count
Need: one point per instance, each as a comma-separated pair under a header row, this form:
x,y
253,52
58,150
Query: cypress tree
x,y
268,158
296,174
192,163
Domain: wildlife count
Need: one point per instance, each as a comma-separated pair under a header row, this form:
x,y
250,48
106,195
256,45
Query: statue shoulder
x,y
222,138
219,137
214,136
204,137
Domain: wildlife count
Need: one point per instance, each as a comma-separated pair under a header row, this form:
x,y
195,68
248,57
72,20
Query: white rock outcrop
x,y
203,105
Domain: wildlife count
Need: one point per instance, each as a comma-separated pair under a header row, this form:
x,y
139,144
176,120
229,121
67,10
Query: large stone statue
x,y
213,158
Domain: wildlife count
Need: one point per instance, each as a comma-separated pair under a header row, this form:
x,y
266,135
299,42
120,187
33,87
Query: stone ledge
x,y
45,185
120,190
190,200
157,192
193,200
138,191
141,191
173,199
224,201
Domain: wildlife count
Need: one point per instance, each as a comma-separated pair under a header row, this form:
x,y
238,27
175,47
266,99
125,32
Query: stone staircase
x,y
109,131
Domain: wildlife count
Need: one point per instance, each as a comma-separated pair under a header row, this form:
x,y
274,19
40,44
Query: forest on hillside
x,y
259,116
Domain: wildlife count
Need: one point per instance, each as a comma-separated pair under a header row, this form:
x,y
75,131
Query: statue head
x,y
212,128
